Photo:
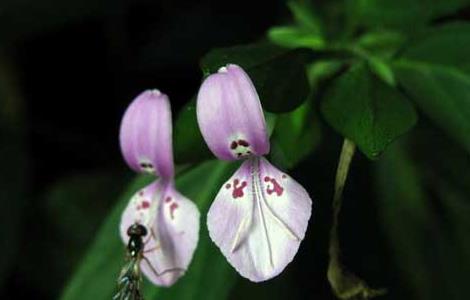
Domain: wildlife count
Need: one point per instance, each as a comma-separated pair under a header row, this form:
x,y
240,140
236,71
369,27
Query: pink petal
x,y
145,135
173,225
230,116
258,219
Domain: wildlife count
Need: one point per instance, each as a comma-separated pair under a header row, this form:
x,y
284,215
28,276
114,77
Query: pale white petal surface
x,y
172,221
259,225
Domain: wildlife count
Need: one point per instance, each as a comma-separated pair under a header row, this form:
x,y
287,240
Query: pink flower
x,y
260,215
171,219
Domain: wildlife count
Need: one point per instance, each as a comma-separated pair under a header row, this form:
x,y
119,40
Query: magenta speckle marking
x,y
141,193
228,185
168,199
234,145
275,188
238,189
145,204
173,207
243,143
284,176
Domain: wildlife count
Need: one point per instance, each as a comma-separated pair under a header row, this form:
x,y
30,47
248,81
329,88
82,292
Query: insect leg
x,y
164,272
152,249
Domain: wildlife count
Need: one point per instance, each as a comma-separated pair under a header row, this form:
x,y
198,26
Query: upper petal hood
x,y
145,135
230,116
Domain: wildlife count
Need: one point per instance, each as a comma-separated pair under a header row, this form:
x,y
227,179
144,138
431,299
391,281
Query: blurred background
x,y
68,69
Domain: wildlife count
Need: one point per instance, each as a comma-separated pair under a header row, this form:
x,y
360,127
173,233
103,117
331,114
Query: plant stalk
x,y
344,284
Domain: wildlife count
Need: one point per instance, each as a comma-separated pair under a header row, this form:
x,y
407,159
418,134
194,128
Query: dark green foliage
x,y
434,70
446,45
299,127
429,245
189,146
367,111
442,93
407,15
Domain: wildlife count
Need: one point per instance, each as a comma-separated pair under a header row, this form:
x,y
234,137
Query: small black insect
x,y
130,277
129,280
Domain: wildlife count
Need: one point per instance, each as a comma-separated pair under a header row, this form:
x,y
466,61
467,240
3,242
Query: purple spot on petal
x,y
233,145
275,188
173,207
238,189
243,143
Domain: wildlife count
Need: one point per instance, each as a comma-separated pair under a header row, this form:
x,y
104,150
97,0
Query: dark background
x,y
73,68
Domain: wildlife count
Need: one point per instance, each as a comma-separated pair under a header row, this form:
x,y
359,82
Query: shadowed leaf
x,y
278,74
366,110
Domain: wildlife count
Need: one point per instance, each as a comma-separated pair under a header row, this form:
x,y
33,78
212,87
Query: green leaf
x,y
247,56
295,136
321,70
189,145
434,70
304,16
306,33
383,43
367,111
408,15
271,119
429,246
278,74
382,70
81,197
404,212
209,276
442,93
443,45
295,37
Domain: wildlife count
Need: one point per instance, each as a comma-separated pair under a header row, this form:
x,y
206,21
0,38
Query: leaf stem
x,y
347,153
344,284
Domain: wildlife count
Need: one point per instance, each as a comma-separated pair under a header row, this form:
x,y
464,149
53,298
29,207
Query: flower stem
x,y
344,284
